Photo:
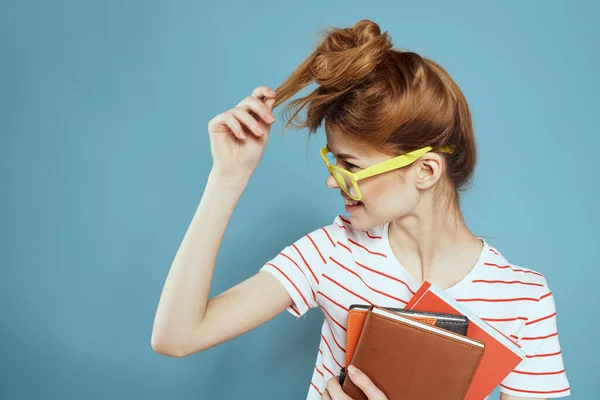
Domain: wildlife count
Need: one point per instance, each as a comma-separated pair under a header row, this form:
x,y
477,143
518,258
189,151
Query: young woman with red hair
x,y
401,150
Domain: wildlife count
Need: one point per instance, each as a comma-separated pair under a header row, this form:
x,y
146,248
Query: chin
x,y
361,223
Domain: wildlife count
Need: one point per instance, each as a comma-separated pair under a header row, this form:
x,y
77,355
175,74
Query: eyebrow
x,y
343,155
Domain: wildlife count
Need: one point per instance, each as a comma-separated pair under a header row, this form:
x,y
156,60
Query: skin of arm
x,y
186,320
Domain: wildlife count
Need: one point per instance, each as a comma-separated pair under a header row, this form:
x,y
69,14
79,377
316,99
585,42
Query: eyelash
x,y
351,166
347,165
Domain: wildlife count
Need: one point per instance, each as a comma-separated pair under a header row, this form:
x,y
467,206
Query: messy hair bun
x,y
391,99
348,55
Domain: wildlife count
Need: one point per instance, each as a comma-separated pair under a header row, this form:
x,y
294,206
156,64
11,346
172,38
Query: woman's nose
x,y
331,183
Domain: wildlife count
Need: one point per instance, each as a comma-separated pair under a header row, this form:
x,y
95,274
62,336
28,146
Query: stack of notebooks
x,y
434,348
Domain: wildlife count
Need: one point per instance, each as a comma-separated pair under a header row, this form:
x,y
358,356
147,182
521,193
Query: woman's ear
x,y
428,170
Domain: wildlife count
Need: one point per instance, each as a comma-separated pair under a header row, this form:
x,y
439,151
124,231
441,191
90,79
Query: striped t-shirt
x,y
336,266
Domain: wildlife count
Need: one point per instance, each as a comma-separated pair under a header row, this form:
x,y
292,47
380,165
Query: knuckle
x,y
259,89
238,112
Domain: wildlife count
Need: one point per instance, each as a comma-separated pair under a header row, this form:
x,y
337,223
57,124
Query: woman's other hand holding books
x,y
334,389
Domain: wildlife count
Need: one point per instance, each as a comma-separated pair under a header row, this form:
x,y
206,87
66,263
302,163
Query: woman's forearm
x,y
185,293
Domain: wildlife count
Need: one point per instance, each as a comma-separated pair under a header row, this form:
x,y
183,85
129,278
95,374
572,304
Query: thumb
x,y
365,384
270,102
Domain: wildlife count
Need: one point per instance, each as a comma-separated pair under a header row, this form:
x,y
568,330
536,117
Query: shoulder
x,y
530,283
522,289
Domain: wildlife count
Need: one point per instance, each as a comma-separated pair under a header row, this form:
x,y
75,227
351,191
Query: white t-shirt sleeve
x,y
542,373
299,266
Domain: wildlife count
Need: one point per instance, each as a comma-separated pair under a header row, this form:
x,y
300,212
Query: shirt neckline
x,y
414,284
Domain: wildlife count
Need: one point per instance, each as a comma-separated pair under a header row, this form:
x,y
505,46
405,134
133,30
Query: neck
x,y
434,244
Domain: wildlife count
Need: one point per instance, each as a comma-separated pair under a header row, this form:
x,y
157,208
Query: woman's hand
x,y
238,136
334,389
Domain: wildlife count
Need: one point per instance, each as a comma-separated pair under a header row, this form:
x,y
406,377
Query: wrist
x,y
229,180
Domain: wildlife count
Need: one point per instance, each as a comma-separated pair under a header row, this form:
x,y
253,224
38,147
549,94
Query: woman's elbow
x,y
166,347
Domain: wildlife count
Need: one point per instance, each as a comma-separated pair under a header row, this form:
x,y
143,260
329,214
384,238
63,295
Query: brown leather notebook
x,y
357,314
411,360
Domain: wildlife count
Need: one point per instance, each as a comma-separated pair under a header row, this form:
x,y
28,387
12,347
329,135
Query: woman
x,y
404,225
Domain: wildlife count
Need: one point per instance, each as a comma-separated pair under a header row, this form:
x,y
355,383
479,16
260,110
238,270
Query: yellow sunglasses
x,y
347,180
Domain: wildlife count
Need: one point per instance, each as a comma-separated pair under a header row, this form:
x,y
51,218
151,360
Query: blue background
x,y
104,155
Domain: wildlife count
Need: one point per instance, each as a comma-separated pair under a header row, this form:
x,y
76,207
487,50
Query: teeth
x,y
351,202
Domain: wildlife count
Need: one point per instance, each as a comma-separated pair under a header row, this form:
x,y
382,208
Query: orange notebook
x,y
501,354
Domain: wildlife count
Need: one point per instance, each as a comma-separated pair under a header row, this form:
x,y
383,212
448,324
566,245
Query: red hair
x,y
391,99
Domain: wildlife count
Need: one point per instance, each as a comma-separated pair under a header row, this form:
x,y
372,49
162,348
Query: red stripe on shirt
x,y
387,276
333,336
346,289
327,369
504,319
544,355
345,220
540,319
507,282
306,263
546,295
316,388
540,337
316,248
539,373
535,391
300,268
294,309
293,284
494,251
344,246
341,226
333,319
514,269
330,351
498,300
318,370
366,284
363,247
329,237
333,301
372,237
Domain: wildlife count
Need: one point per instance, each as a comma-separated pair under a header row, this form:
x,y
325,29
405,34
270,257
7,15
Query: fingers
x,y
261,103
252,115
229,120
263,91
248,121
365,384
334,389
258,107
